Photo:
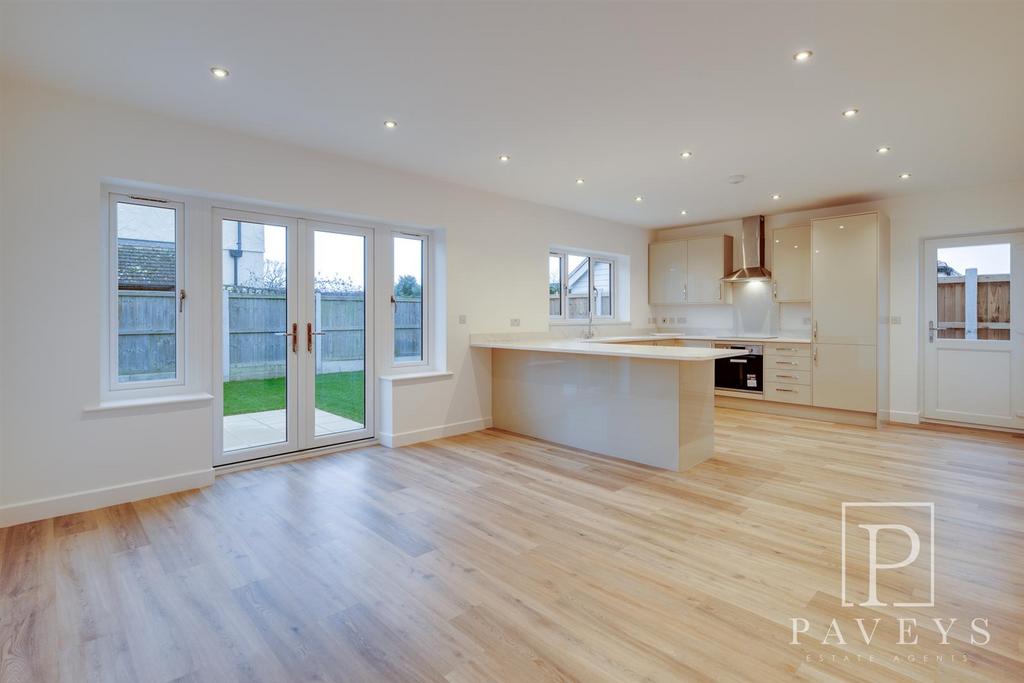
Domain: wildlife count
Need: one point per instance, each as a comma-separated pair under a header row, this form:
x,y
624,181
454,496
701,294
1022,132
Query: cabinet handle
x,y
684,292
786,362
788,391
814,334
775,290
784,348
787,377
815,356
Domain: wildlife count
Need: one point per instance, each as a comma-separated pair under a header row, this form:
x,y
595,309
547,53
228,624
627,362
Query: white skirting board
x,y
904,417
44,508
430,433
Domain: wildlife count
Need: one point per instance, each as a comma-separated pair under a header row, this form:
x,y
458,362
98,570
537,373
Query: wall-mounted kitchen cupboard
x,y
689,271
850,313
791,264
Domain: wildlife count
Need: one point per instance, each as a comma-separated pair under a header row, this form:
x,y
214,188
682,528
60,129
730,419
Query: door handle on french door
x,y
294,334
309,336
931,331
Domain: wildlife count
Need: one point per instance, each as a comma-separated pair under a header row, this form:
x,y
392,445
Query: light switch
x,y
462,319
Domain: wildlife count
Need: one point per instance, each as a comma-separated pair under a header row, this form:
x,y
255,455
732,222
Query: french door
x,y
296,334
974,330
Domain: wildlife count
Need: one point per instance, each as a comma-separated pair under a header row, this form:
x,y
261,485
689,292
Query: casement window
x,y
580,286
146,292
409,298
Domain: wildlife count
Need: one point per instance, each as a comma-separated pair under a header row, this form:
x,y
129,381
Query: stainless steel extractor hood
x,y
752,249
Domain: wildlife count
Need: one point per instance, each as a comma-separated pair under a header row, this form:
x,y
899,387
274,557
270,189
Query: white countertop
x,y
699,337
598,348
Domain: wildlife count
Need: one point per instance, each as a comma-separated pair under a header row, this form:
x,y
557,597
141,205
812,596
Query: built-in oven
x,y
740,373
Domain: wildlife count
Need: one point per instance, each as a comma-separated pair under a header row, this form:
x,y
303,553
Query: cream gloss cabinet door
x,y
845,280
667,273
708,260
844,376
791,264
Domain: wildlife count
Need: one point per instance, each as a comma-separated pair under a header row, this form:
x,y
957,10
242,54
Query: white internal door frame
x,y
1013,416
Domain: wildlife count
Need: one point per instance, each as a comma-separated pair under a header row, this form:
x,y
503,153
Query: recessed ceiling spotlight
x,y
884,149
219,72
686,155
639,198
504,158
850,113
802,56
683,212
904,176
391,124
776,197
579,181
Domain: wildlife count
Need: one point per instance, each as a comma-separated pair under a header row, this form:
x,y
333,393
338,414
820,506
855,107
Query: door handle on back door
x,y
294,334
309,336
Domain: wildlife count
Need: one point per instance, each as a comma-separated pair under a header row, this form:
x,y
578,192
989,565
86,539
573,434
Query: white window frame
x,y
426,280
181,308
563,255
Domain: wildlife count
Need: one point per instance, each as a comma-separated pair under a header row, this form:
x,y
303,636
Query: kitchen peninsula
x,y
647,404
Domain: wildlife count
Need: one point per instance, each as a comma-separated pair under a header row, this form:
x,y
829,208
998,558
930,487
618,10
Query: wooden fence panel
x,y
146,343
146,339
993,307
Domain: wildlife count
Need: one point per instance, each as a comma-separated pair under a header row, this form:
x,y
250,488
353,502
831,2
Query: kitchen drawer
x,y
787,393
788,376
787,363
783,349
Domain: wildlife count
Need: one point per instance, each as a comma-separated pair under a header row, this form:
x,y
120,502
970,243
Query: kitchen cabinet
x,y
845,306
845,376
850,313
791,264
690,271
666,268
708,260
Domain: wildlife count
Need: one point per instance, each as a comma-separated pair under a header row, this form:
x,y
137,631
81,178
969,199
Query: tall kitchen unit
x,y
850,314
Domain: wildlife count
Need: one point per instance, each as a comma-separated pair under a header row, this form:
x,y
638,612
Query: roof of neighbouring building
x,y
145,265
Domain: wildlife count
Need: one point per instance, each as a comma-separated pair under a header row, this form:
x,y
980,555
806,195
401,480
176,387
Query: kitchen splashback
x,y
752,312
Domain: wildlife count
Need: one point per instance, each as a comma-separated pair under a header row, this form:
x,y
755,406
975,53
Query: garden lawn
x,y
339,393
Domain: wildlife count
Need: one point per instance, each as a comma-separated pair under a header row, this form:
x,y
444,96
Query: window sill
x,y
412,376
130,403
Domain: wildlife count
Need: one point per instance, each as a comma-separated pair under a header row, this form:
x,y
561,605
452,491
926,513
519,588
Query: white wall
x,y
57,147
914,218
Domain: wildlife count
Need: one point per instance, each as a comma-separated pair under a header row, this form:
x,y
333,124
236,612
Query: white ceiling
x,y
609,92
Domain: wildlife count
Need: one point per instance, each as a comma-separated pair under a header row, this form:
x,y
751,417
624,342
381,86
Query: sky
x,y
341,256
989,259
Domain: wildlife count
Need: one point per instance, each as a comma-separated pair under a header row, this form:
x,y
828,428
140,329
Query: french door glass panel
x,y
339,338
256,339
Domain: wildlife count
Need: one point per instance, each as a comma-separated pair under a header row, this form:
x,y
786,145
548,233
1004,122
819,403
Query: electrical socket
x,y
514,322
462,318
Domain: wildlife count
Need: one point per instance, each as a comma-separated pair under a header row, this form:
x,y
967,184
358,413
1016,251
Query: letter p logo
x,y
890,534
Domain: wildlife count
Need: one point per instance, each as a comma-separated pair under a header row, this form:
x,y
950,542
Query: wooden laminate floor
x,y
493,557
